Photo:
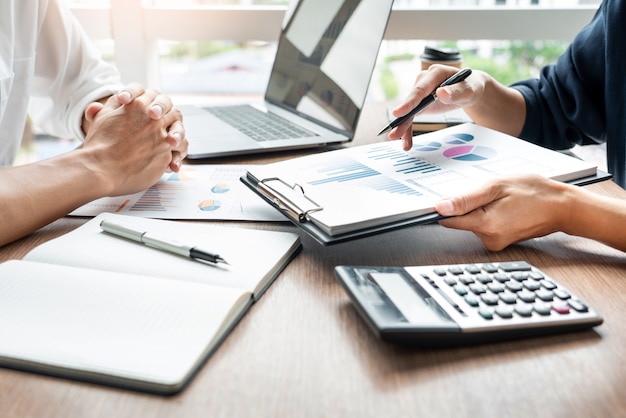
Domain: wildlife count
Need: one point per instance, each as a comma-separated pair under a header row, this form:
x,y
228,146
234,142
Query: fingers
x,y
92,110
177,161
426,83
463,94
130,92
460,205
160,105
475,212
176,138
176,133
486,224
404,132
508,210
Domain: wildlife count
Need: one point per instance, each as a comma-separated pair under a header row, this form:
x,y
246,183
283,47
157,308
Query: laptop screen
x,y
326,54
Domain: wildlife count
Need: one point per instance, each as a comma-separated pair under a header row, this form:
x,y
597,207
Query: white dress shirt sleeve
x,y
69,74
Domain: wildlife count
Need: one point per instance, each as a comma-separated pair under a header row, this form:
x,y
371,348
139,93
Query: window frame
x,y
136,30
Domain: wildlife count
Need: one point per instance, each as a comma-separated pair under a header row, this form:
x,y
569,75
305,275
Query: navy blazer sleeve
x,y
582,98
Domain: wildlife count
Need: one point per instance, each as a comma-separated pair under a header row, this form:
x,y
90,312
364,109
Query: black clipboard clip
x,y
289,198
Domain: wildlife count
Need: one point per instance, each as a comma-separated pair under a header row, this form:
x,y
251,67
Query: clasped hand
x,y
135,136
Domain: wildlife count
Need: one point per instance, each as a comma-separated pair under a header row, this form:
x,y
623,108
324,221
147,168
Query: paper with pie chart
x,y
199,192
364,186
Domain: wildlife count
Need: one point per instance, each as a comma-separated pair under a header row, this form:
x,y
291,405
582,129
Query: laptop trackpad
x,y
205,124
220,142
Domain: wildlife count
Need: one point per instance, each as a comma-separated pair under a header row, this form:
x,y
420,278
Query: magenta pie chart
x,y
469,153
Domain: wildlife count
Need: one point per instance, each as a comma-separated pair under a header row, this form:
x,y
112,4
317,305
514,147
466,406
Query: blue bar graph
x,y
403,162
345,169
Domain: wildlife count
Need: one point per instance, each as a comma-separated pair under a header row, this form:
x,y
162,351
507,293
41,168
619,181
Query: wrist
x,y
567,211
89,166
499,107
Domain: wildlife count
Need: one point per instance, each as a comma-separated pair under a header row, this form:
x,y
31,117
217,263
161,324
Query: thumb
x,y
449,95
460,205
92,110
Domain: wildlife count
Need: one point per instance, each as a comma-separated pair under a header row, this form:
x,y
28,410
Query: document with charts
x,y
199,192
358,191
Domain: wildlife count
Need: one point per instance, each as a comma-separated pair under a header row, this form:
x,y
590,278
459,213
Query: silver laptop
x,y
326,54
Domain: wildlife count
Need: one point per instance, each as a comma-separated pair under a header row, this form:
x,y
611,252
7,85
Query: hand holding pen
x,y
428,100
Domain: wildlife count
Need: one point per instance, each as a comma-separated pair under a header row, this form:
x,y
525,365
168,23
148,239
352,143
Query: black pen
x,y
456,78
171,246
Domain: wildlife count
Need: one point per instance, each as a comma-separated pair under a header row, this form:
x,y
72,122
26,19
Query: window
x,y
173,43
227,46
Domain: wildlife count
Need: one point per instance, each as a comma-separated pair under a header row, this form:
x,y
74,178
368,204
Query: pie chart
x,y
430,146
209,205
469,153
459,139
220,188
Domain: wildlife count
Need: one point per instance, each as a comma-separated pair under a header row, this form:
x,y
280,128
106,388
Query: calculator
x,y
463,303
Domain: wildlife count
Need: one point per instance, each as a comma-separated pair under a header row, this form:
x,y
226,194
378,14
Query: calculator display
x,y
411,300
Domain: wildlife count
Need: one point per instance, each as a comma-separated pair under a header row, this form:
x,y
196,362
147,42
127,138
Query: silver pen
x,y
152,240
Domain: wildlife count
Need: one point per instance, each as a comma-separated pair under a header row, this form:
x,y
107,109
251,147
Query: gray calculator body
x,y
460,304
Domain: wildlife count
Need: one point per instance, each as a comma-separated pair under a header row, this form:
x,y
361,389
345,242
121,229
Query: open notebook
x,y
354,192
99,308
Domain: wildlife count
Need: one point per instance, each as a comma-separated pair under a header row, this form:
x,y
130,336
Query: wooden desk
x,y
302,350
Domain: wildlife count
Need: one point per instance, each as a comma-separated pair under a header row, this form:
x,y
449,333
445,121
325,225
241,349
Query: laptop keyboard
x,y
258,125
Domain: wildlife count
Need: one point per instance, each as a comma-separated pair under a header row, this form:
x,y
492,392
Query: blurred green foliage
x,y
509,61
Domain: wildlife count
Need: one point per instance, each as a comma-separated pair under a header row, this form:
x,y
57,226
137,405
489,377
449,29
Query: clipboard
x,y
291,200
364,190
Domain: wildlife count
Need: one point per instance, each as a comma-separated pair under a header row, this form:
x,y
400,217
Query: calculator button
x,y
439,271
460,290
508,297
545,295
472,269
562,294
524,310
504,312
495,287
515,266
531,285
578,306
520,276
450,281
560,308
477,288
542,308
486,313
536,275
466,279
514,286
489,298
501,277
471,300
527,296
548,284
490,268
456,270
484,278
